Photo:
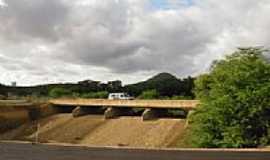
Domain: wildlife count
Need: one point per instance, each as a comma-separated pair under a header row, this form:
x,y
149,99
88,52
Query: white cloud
x,y
2,4
45,41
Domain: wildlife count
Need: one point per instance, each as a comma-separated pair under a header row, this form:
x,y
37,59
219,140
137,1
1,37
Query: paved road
x,y
19,151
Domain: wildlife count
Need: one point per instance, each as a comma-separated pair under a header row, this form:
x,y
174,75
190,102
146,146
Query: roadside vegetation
x,y
101,94
149,94
235,102
62,92
59,92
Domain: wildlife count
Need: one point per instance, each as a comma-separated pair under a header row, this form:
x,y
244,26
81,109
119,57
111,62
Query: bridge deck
x,y
166,104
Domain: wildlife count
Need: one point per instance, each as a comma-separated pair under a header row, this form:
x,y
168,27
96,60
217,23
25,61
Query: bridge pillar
x,y
78,111
151,113
81,111
113,112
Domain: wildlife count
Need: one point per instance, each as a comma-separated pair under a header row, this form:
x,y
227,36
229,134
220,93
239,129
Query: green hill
x,y
165,84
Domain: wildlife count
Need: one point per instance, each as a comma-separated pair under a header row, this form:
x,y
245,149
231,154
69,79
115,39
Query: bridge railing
x,y
166,104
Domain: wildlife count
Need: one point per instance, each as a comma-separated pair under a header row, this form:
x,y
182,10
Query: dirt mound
x,y
95,130
65,128
130,131
12,117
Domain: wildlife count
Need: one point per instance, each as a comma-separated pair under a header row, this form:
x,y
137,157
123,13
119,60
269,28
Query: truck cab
x,y
123,96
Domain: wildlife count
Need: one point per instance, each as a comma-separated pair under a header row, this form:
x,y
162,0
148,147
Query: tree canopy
x,y
165,84
59,92
235,102
149,94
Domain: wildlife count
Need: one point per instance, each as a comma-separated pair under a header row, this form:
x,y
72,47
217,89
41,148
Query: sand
x,y
95,130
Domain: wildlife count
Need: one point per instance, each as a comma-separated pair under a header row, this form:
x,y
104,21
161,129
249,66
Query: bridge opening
x,y
85,110
138,111
176,113
154,113
63,109
115,112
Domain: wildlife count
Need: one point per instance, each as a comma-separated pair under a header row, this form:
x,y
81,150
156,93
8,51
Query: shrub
x,y
235,103
181,98
101,94
149,94
59,92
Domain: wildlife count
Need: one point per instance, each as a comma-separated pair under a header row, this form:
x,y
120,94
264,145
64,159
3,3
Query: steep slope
x,y
131,131
94,130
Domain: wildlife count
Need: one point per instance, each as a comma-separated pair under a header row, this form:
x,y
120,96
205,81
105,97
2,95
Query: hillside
x,y
166,84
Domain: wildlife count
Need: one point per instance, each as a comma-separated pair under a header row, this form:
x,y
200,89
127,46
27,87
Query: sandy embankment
x,y
12,117
94,130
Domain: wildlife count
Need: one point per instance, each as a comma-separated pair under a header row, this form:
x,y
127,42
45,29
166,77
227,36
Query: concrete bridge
x,y
114,108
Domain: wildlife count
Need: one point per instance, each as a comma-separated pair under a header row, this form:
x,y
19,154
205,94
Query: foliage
x,y
101,94
44,90
149,94
59,92
235,103
181,98
165,84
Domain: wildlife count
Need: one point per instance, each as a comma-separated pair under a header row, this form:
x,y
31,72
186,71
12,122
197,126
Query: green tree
x,y
59,92
165,84
149,94
101,94
235,103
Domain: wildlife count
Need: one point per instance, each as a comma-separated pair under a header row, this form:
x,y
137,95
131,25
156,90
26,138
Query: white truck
x,y
124,96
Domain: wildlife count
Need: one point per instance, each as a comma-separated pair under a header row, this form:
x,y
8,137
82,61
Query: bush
x,y
101,94
149,94
181,98
75,95
235,103
59,92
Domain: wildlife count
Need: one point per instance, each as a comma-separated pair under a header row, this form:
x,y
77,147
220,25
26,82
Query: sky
x,y
51,41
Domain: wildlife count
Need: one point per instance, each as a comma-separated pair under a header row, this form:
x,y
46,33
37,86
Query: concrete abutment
x,y
113,112
82,111
151,114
